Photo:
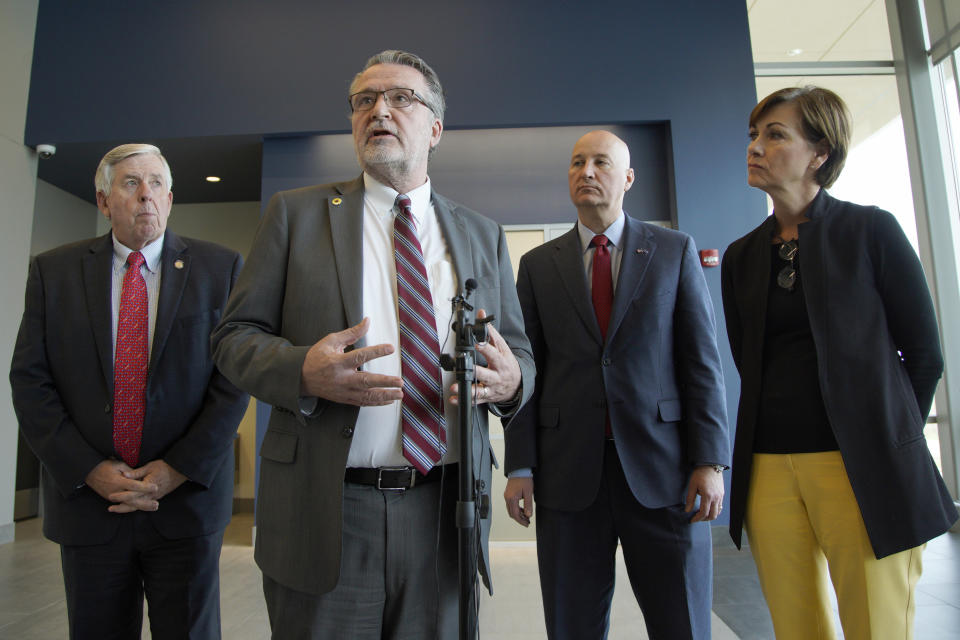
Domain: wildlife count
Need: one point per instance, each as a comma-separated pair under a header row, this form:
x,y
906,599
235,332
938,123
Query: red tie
x,y
422,422
130,366
602,292
602,287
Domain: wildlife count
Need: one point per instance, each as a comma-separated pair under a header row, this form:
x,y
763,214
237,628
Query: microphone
x,y
468,330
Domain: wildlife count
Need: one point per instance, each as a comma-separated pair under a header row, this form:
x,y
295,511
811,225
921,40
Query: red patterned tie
x,y
602,293
424,436
130,365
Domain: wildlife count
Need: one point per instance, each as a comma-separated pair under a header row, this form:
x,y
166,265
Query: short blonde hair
x,y
825,117
103,181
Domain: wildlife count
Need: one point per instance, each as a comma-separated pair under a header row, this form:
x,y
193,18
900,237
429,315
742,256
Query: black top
x,y
792,418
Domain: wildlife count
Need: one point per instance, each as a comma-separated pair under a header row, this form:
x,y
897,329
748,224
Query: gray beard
x,y
388,171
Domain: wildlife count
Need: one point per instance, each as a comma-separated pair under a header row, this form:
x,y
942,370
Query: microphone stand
x,y
468,332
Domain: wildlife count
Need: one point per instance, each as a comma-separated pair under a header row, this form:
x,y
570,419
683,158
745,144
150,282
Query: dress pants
x,y
106,583
669,563
398,571
803,525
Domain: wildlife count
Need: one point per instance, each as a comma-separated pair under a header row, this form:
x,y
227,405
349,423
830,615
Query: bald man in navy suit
x,y
625,437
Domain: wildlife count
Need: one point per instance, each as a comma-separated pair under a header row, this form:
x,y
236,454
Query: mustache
x,y
379,127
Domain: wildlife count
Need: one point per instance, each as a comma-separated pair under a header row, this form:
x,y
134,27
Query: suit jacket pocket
x,y
279,446
671,410
549,417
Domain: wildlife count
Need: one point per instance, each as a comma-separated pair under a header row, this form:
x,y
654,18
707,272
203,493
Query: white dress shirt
x,y
376,439
151,275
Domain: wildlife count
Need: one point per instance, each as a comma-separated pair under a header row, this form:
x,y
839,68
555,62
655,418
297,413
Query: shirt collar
x,y
151,252
381,197
614,232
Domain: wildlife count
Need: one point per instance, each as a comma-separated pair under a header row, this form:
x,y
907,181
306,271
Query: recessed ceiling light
x,y
794,52
213,178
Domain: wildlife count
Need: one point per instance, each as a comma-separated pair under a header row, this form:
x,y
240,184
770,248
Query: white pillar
x,y
938,229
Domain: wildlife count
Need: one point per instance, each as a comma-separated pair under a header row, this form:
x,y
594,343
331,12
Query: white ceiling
x,y
824,30
829,31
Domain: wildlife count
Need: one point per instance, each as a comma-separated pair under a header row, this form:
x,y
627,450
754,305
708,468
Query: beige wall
x,y
232,224
246,454
60,217
18,171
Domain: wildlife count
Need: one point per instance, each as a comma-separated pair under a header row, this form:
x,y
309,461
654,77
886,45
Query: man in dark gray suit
x,y
627,426
137,450
356,534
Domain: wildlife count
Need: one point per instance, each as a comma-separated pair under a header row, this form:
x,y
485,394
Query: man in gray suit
x,y
355,527
627,427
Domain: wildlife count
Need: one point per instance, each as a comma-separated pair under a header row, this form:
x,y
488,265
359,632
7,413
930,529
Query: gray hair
x,y
434,97
103,181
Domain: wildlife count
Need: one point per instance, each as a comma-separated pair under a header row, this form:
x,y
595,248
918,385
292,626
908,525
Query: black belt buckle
x,y
412,474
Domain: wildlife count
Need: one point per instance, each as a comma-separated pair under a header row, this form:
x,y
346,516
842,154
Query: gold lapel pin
x,y
178,264
336,202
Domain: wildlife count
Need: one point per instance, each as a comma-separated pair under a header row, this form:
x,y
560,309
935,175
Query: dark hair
x,y
825,118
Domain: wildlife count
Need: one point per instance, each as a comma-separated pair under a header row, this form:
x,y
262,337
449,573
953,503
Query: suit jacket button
x,y
605,362
107,408
347,432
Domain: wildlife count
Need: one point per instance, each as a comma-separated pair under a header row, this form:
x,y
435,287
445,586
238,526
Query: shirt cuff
x,y
522,472
716,465
509,407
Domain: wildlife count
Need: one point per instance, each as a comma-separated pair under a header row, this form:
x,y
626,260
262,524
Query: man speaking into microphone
x,y
338,321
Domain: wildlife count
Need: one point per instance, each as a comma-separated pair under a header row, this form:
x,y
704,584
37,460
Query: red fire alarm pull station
x,y
710,257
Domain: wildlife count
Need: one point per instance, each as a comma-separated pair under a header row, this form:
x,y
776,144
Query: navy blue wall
x,y
104,70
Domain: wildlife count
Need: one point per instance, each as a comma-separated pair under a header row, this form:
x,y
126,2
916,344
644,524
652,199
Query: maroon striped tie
x,y
130,365
424,435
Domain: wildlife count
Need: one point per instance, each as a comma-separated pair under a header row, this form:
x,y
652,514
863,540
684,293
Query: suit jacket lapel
x,y
346,229
568,260
174,273
455,233
638,249
97,273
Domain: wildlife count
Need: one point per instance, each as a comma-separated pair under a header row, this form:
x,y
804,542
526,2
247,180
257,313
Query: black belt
x,y
392,478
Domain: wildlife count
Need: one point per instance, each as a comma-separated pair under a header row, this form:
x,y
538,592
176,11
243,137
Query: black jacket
x,y
62,382
878,355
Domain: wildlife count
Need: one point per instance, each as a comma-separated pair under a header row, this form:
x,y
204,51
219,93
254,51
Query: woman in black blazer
x,y
833,332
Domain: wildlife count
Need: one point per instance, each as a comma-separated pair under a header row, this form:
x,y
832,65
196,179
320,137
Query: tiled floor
x,y
32,607
738,601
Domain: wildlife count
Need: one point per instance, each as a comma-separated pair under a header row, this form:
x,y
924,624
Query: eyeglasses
x,y
787,277
398,98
